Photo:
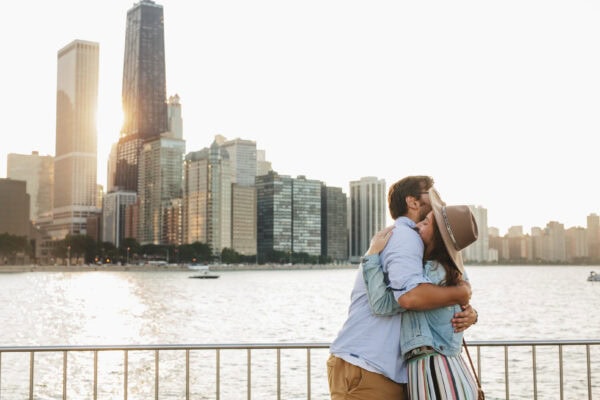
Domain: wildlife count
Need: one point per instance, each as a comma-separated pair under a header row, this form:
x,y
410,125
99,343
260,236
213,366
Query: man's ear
x,y
411,202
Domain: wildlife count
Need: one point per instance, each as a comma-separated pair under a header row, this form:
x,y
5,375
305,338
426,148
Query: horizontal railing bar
x,y
237,346
502,343
272,346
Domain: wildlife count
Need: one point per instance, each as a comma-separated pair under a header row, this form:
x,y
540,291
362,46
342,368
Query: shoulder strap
x,y
471,362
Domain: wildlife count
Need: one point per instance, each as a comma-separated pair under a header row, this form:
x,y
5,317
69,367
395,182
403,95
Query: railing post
x,y
249,369
278,373
156,374
125,373
187,374
95,374
534,366
218,372
506,384
31,375
65,375
589,371
560,368
308,388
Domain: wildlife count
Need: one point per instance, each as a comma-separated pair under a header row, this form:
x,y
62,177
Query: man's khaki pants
x,y
349,382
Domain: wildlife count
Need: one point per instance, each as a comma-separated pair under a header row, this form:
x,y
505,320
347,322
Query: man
x,y
366,361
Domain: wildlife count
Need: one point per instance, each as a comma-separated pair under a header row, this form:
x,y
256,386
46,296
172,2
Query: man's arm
x,y
427,296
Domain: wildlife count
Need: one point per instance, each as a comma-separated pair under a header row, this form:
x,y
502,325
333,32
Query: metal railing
x,y
527,369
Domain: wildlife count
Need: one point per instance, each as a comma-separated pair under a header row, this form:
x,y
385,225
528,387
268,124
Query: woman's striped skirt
x,y
439,377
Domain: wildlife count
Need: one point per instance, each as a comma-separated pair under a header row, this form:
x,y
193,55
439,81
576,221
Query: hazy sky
x,y
498,101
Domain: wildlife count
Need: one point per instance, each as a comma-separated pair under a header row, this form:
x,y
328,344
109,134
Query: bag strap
x,y
471,362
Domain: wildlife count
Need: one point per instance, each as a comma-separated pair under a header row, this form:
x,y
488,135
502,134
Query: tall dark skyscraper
x,y
144,89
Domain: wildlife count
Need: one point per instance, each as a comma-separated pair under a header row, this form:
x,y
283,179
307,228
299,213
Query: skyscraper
x,y
113,224
273,215
207,198
75,161
242,160
144,88
288,212
478,251
334,223
367,213
161,178
306,216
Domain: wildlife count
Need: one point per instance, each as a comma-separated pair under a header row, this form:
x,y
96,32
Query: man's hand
x,y
464,319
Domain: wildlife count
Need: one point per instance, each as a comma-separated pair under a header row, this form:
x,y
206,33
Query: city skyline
x,y
505,94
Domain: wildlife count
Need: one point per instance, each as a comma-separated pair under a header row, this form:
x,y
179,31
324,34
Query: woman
x,y
430,345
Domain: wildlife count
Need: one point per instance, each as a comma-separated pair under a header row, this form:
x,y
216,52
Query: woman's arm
x,y
381,298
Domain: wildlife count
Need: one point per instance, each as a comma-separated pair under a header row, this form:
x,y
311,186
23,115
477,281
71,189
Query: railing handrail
x,y
238,346
215,346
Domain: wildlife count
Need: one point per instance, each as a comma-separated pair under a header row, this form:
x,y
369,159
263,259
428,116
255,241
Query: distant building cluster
x,y
226,195
553,244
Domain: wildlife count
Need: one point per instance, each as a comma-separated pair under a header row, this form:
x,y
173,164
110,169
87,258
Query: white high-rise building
x,y
479,250
75,162
242,159
242,162
367,213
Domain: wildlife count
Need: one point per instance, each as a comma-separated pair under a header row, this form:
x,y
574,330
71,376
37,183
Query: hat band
x,y
448,227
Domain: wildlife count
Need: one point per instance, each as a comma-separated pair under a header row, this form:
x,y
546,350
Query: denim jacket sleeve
x,y
381,298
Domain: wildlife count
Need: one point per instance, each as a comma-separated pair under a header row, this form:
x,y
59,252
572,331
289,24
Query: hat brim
x,y
438,206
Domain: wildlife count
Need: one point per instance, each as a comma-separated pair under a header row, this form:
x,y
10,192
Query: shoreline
x,y
167,268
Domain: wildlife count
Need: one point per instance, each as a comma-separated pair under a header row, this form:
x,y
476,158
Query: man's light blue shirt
x,y
373,342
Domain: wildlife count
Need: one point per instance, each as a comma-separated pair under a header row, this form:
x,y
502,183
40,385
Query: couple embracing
x,y
403,334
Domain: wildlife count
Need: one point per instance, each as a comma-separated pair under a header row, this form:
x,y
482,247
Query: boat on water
x,y
593,277
203,272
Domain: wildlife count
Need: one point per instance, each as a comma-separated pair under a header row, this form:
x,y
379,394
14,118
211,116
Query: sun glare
x,y
108,318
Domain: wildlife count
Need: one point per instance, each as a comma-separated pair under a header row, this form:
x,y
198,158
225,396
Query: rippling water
x,y
90,308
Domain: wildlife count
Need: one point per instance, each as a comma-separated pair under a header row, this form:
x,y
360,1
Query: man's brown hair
x,y
409,186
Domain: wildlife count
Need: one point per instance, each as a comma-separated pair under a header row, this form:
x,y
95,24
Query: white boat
x,y
204,272
593,276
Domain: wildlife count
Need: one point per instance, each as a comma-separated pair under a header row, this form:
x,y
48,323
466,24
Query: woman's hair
x,y
440,254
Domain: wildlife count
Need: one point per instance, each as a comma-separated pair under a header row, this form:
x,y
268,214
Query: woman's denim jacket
x,y
418,328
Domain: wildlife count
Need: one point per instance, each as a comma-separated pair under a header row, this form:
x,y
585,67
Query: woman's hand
x,y
464,319
379,240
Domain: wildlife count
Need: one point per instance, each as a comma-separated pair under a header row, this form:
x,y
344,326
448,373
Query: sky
x,y
497,101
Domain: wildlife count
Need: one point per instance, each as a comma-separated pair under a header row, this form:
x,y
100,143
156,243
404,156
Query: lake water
x,y
300,306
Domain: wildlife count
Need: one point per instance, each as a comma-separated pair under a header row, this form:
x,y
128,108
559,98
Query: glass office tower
x,y
144,89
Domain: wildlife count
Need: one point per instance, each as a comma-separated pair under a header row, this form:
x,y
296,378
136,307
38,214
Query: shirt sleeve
x,y
402,259
381,298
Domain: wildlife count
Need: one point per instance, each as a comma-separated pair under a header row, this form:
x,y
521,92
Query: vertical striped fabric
x,y
438,377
